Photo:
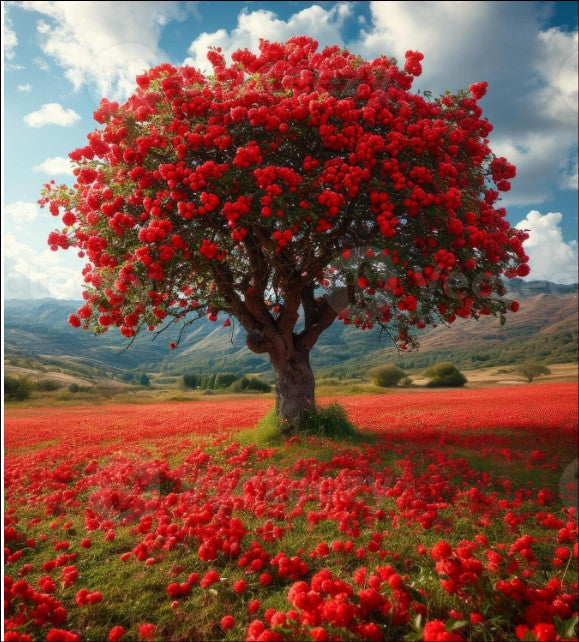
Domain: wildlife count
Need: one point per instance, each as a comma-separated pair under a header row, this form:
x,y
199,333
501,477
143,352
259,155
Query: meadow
x,y
452,515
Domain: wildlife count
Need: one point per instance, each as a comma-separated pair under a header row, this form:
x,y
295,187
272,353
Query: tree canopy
x,y
289,179
531,369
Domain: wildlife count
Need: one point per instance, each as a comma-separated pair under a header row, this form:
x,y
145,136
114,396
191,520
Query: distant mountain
x,y
544,328
531,288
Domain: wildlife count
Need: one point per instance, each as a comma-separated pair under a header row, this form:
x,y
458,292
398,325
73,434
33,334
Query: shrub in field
x,y
17,388
225,379
75,387
250,384
48,385
444,374
327,421
290,179
387,376
530,370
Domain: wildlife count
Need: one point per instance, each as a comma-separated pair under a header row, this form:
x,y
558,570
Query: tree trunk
x,y
294,385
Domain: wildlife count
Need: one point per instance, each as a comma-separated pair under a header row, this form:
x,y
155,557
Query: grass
x,y
328,422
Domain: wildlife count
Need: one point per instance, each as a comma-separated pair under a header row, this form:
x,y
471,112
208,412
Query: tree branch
x,y
310,306
327,311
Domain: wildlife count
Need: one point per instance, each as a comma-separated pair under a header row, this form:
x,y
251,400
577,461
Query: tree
x,y
190,380
225,379
444,375
250,383
386,376
530,370
291,182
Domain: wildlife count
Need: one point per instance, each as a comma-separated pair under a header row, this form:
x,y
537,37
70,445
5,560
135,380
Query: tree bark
x,y
294,386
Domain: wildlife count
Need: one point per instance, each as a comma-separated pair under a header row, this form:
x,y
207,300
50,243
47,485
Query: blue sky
x,y
60,58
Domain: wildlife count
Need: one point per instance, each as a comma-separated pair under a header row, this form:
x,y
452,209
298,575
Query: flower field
x,y
455,518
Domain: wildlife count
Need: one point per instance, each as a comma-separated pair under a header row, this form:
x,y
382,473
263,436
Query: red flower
x,y
60,635
478,90
116,633
147,632
227,622
239,586
441,550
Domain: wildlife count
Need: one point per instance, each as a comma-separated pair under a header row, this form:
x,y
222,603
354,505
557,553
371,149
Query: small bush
x,y
48,385
74,387
444,375
17,388
247,384
328,421
386,376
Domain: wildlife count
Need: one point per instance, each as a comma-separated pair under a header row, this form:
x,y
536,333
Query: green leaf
x,y
503,319
570,627
453,625
417,623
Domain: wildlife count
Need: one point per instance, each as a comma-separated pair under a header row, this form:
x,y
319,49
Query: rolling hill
x,y
545,328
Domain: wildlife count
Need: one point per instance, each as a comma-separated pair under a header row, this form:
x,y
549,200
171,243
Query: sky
x,y
60,58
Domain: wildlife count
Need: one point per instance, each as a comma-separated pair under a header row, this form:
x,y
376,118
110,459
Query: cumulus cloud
x,y
531,70
103,45
51,114
10,40
550,257
30,275
24,89
323,24
21,212
55,165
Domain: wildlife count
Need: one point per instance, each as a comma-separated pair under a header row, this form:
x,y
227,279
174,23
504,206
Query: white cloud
x,y
41,64
10,40
21,212
103,45
537,156
550,258
55,165
24,89
324,25
531,70
571,179
29,274
51,114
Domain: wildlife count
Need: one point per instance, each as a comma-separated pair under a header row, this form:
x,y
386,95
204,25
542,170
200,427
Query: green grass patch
x,y
329,422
